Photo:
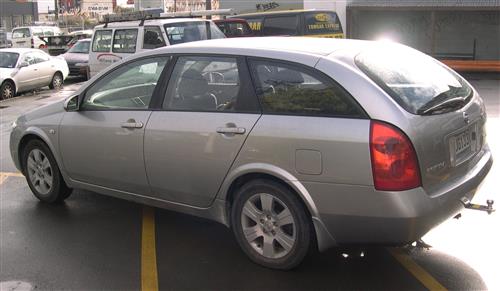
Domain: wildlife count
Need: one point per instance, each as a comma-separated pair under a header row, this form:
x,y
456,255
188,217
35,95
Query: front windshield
x,y
192,31
21,32
81,47
414,80
8,60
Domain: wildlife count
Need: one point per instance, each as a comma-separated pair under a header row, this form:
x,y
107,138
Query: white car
x,y
24,69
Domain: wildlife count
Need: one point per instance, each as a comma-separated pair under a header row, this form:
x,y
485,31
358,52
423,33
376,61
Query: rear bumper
x,y
362,215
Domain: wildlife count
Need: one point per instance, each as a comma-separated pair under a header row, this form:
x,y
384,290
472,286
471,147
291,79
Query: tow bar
x,y
487,208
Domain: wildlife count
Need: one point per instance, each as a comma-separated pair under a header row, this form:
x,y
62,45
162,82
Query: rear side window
x,y
295,90
417,82
40,57
181,32
281,25
102,41
152,38
125,41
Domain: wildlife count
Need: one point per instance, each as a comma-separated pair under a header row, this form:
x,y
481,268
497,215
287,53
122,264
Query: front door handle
x,y
231,130
132,124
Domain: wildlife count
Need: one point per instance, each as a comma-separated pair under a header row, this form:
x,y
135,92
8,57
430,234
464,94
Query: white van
x,y
114,41
29,36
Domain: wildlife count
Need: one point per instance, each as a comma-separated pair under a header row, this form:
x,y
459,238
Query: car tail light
x,y
32,43
43,46
394,161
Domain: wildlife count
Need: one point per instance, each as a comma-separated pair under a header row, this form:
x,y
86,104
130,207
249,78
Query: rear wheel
x,y
7,90
42,173
271,224
57,81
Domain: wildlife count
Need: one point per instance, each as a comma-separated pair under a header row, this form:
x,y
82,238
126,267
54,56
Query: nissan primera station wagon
x,y
293,143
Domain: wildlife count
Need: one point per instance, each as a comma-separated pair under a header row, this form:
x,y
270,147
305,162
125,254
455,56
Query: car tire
x,y
271,224
57,81
42,173
7,90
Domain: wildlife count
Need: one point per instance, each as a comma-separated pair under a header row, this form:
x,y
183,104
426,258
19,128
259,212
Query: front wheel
x,y
271,224
57,81
42,173
7,90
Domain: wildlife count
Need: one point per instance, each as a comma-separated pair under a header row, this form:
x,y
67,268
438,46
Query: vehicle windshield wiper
x,y
443,100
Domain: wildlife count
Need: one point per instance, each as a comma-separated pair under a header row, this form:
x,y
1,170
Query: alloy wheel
x,y
268,226
40,171
7,91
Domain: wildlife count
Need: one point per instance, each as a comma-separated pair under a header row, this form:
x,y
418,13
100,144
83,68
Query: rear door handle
x,y
231,130
132,125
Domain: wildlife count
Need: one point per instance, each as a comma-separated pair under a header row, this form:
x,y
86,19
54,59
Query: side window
x,y
281,25
130,86
152,38
40,57
29,58
295,90
206,84
125,41
102,41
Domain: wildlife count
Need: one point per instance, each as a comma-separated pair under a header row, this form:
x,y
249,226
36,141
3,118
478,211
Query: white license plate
x,y
462,142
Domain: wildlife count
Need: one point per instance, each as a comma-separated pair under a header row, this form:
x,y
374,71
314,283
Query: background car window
x,y
181,32
40,57
29,58
281,25
131,86
152,38
290,89
48,32
37,31
20,33
102,41
204,84
125,41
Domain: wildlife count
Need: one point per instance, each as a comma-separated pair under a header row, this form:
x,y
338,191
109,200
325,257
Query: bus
x,y
312,23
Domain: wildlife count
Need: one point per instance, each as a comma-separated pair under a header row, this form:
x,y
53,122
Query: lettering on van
x,y
266,6
255,25
108,58
320,26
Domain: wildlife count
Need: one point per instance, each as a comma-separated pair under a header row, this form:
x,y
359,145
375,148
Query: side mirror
x,y
23,64
71,104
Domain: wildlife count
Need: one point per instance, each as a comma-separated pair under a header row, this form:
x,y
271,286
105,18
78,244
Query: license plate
x,y
462,142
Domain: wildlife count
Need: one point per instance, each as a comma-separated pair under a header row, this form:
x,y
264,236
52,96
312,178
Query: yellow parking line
x,y
418,272
149,273
2,178
5,175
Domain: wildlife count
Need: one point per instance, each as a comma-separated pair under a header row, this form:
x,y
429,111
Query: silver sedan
x,y
27,69
292,142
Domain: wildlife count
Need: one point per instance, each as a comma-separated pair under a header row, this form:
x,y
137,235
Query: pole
x,y
208,6
56,11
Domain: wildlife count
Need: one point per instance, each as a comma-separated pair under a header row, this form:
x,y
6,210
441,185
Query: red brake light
x,y
394,161
32,43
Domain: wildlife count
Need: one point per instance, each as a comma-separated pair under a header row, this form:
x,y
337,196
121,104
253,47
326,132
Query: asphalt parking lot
x,y
94,242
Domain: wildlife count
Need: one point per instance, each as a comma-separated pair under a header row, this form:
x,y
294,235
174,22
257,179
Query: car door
x,y
44,67
208,112
27,77
102,143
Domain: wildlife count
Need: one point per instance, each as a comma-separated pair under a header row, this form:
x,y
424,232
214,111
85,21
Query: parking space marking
x,y
418,272
149,272
5,175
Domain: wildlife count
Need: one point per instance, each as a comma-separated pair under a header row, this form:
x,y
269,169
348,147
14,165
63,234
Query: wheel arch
x,y
246,173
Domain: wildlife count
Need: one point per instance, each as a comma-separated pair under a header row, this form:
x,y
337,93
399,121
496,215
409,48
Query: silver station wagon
x,y
293,143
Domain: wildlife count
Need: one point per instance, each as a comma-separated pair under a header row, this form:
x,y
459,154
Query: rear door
x,y
28,77
21,37
45,68
100,55
208,111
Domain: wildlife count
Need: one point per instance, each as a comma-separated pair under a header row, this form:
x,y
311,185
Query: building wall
x,y
13,14
444,33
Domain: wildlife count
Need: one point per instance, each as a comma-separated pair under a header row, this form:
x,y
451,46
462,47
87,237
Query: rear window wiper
x,y
452,103
442,100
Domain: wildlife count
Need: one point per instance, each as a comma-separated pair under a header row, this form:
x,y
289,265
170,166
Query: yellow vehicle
x,y
313,23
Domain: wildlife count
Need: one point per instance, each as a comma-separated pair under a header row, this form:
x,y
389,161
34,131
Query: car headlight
x,y
81,64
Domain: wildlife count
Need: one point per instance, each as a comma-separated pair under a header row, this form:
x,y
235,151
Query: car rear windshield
x,y
21,32
417,82
8,60
192,31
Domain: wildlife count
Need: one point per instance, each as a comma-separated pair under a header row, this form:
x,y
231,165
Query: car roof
x,y
298,45
160,21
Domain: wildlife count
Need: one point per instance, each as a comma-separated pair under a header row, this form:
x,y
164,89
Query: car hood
x,y
47,111
76,58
